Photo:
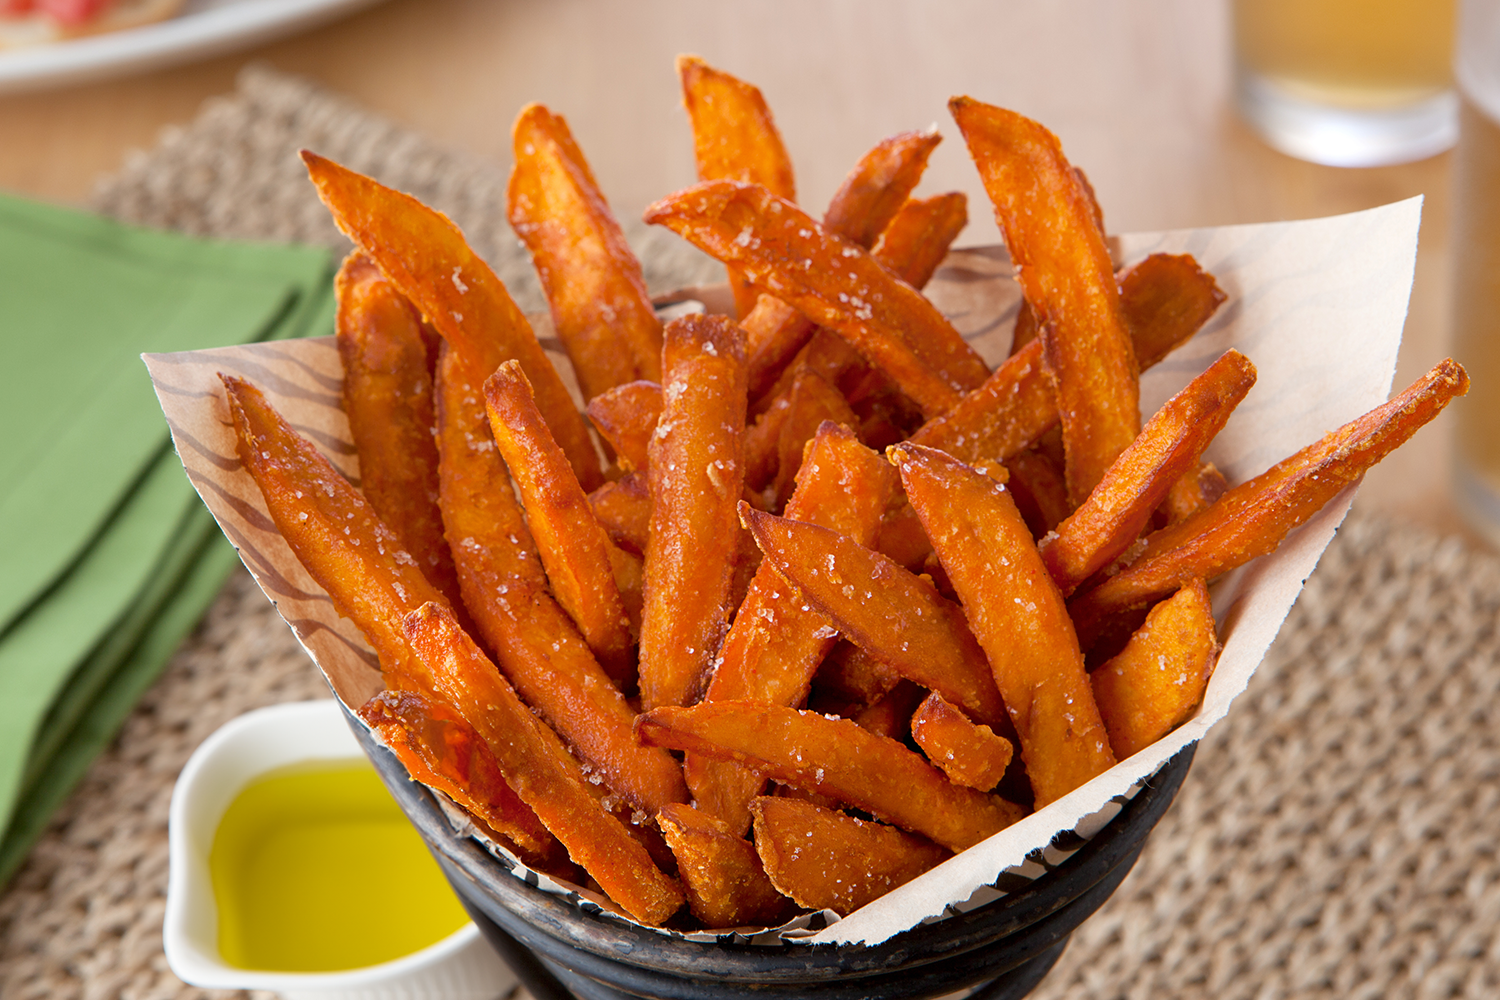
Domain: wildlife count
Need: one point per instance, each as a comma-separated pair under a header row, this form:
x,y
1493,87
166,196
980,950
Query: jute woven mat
x,y
1337,837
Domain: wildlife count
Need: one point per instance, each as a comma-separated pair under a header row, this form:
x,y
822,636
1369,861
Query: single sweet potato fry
x,y
1039,489
388,399
1252,519
440,749
734,138
600,307
1066,275
623,508
813,402
897,617
777,641
1194,491
1017,615
878,186
1151,686
968,754
573,547
831,281
864,204
1166,298
423,254
917,239
362,564
539,768
625,416
725,884
836,758
696,475
1168,447
824,859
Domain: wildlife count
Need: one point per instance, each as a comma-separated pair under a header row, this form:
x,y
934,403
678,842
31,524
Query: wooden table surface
x,y
1138,92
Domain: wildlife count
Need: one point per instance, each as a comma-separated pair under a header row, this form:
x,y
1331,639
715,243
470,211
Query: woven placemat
x,y
1336,838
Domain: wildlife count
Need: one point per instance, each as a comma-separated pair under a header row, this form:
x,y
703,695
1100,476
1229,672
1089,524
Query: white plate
x,y
204,28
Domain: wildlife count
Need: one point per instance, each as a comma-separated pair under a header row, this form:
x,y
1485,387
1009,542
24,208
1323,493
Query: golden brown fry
x,y
388,399
776,641
1037,485
696,475
874,191
1252,519
573,547
898,618
813,402
625,416
1166,299
440,749
600,307
1111,519
1017,615
968,754
537,766
826,860
333,531
1065,272
623,508
1195,491
831,281
424,255
1155,682
725,884
836,758
735,138
917,239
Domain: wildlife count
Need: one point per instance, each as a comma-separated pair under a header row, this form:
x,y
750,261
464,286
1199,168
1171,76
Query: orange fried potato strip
x,y
573,547
831,281
1017,615
896,617
836,758
600,307
623,508
696,474
864,204
1166,298
813,402
625,416
734,138
423,254
1111,519
725,884
1195,491
1152,685
1066,275
824,859
441,750
539,768
917,239
340,541
968,754
388,399
777,641
1252,519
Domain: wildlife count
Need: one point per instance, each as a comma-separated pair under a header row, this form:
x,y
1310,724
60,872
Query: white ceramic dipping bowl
x,y
459,967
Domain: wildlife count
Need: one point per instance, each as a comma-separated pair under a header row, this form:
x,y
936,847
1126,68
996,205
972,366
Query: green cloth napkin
x,y
107,557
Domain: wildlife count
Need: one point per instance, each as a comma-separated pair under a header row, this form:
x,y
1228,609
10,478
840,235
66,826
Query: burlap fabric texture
x,y
1335,839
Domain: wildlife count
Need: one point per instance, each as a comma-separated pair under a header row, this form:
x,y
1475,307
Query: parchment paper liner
x,y
1317,305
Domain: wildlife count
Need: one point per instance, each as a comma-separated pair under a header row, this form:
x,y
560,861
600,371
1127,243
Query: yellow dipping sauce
x,y
315,869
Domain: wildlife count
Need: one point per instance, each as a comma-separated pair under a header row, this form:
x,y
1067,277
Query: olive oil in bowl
x,y
315,869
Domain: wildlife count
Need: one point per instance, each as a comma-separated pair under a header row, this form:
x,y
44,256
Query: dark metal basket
x,y
559,951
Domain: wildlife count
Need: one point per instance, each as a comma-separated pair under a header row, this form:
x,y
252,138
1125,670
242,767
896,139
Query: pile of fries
x,y
826,600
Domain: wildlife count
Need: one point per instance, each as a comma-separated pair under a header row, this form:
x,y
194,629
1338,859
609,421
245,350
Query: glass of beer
x,y
1476,270
1348,83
